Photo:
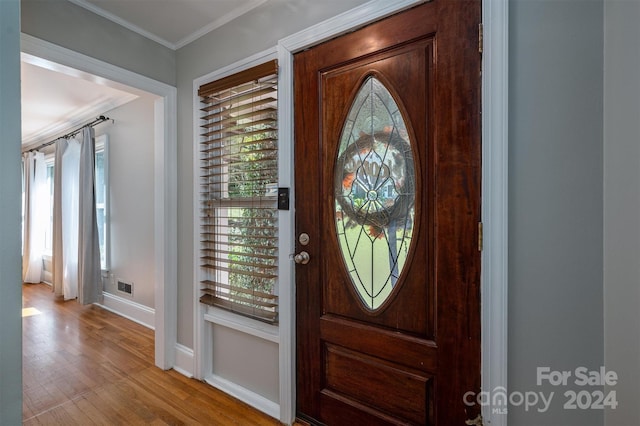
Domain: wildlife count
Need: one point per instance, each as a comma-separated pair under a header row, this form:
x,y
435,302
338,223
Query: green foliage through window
x,y
239,164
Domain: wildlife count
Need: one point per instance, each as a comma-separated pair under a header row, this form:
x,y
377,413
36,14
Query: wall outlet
x,y
125,287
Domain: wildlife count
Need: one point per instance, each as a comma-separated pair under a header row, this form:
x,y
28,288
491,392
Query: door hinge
x,y
480,236
475,422
480,37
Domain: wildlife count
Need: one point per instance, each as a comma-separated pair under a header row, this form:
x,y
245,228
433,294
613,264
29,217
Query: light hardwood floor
x,y
83,365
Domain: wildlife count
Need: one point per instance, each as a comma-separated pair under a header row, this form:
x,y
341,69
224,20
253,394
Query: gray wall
x,y
10,274
622,206
68,25
131,180
555,199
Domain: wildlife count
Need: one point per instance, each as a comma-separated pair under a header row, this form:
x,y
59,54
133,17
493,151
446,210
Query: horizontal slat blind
x,y
238,193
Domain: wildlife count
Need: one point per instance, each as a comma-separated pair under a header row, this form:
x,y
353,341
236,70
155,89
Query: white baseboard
x,y
184,360
129,309
245,395
185,363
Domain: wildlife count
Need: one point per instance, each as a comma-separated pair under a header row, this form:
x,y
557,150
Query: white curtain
x,y
69,217
58,252
35,217
76,250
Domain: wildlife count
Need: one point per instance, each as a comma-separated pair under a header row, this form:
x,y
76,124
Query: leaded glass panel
x,y
374,193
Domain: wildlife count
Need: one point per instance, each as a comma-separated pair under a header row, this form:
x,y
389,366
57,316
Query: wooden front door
x,y
387,151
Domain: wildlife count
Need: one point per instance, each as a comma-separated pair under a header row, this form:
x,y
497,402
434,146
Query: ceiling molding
x,y
224,19
219,22
72,120
118,20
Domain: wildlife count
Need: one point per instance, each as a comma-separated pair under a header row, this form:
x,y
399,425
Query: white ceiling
x,y
57,99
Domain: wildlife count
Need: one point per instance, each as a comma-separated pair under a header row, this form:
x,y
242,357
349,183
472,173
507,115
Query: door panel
x,y
390,199
367,379
411,308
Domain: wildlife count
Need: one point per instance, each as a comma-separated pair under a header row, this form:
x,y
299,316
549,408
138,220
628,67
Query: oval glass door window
x,y
374,193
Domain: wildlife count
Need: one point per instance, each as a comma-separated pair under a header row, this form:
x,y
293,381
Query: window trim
x,y
238,167
245,325
203,323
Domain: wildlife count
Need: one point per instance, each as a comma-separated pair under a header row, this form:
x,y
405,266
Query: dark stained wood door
x,y
387,151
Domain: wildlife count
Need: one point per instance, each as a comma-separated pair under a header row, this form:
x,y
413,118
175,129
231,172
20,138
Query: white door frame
x,y
494,187
165,175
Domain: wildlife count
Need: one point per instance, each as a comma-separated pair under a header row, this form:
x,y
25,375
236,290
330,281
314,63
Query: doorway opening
x,y
159,104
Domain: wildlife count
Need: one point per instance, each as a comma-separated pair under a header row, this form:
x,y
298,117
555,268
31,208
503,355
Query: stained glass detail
x,y
374,190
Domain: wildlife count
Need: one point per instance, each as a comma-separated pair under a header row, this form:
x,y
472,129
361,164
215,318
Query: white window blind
x,y
238,199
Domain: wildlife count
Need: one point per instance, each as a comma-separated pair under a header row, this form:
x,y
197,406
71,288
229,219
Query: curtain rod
x,y
98,120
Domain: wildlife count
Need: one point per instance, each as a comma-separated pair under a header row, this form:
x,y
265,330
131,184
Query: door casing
x,y
494,186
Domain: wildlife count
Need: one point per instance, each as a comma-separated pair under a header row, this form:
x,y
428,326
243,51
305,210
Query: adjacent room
x,y
59,101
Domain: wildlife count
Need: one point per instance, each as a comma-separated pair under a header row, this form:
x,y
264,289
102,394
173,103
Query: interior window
x,y
102,199
48,236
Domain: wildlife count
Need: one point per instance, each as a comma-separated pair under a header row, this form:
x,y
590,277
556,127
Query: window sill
x,y
249,326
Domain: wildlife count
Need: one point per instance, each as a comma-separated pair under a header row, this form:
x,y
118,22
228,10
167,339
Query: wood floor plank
x,y
77,414
85,405
84,365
